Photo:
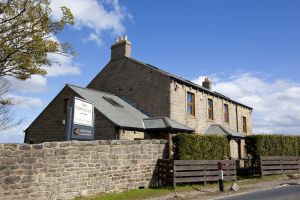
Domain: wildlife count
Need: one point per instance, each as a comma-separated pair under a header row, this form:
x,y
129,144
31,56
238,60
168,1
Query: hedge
x,y
273,145
200,147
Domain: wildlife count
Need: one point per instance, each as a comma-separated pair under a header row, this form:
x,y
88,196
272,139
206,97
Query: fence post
x,y
174,177
221,177
281,166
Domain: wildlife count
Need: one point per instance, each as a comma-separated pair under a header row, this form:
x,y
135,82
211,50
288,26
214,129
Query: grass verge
x,y
139,194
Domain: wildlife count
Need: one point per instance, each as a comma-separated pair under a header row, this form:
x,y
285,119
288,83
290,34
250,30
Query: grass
x,y
139,194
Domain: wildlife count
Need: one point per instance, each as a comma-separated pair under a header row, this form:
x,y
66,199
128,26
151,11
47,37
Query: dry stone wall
x,y
63,170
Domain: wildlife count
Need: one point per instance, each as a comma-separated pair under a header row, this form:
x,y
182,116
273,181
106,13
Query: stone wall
x,y
50,125
200,121
63,170
142,86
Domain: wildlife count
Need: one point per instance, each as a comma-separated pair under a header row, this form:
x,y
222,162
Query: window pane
x,y
244,124
189,97
189,110
190,103
226,113
210,109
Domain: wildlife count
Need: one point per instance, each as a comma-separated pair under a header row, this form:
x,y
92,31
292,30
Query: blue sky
x,y
250,49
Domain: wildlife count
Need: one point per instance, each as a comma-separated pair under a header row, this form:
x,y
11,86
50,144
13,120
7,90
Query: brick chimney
x,y
207,83
121,48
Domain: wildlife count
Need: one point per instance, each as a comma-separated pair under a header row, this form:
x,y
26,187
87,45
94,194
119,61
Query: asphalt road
x,y
290,192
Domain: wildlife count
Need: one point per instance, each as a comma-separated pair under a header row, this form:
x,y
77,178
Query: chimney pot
x,y
207,83
122,48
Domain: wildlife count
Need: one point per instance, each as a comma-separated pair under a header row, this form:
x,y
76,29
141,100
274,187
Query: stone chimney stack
x,y
121,48
207,83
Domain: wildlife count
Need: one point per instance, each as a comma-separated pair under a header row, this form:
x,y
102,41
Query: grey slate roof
x,y
124,116
165,123
217,129
190,83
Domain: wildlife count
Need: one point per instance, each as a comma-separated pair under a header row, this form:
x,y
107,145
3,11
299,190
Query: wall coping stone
x,y
48,145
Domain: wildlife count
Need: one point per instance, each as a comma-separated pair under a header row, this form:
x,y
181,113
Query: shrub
x,y
200,147
273,145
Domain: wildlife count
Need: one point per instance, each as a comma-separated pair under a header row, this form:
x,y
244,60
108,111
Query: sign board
x,y
80,120
83,113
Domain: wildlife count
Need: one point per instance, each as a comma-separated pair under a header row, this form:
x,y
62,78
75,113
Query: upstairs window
x,y
244,124
190,103
210,108
226,113
65,105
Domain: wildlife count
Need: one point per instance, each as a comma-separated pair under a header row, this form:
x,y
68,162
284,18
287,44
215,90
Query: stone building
x,y
153,94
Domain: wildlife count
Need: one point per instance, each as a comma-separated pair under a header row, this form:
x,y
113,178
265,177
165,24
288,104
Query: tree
x,y
27,36
6,103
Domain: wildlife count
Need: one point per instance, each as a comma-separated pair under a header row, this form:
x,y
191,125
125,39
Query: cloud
x,y
276,103
97,16
13,135
34,84
27,102
62,65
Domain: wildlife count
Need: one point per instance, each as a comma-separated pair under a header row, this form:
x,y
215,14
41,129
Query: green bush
x,y
273,145
200,147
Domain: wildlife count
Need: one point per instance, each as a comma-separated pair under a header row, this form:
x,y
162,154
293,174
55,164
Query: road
x,y
289,192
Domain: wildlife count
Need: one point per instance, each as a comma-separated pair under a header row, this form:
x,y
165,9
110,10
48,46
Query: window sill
x,y
210,120
190,116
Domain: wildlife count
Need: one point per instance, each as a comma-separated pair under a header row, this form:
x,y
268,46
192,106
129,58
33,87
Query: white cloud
x,y
62,65
93,37
98,16
27,102
276,103
35,84
13,135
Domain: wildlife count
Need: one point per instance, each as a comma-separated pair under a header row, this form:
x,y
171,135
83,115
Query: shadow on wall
x,y
64,170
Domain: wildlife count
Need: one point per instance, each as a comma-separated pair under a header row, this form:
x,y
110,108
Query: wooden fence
x,y
271,165
187,171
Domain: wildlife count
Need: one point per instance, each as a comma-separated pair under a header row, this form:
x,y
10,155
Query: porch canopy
x,y
165,124
217,129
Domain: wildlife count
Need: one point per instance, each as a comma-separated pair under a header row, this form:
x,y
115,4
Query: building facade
x,y
159,93
152,102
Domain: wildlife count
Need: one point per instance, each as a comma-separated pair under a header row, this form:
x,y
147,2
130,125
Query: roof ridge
x,y
85,88
188,82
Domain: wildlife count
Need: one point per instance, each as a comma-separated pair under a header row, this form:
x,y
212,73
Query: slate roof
x,y
216,129
125,116
190,83
166,124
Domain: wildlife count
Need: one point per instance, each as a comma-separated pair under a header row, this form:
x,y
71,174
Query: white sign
x,y
83,113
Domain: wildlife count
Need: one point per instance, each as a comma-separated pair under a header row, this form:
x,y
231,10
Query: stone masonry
x,y
50,125
63,170
200,121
